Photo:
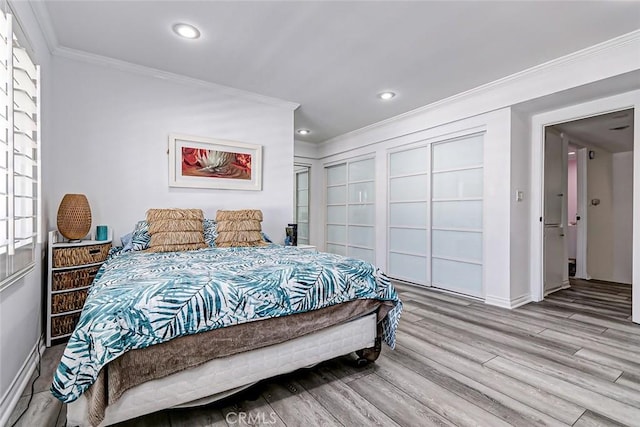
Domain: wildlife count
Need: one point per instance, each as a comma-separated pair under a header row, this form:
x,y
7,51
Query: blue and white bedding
x,y
140,299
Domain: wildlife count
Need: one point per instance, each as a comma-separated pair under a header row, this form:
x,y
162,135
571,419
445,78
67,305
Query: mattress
x,y
233,372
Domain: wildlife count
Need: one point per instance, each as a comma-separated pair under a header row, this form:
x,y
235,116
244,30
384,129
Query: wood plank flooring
x,y
573,359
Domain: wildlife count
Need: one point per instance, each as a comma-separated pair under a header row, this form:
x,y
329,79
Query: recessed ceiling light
x,y
186,30
619,127
385,96
304,131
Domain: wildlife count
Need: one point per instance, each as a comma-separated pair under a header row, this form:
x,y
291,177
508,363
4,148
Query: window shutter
x,y
20,208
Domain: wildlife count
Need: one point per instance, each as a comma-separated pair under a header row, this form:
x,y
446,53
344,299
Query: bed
x,y
199,325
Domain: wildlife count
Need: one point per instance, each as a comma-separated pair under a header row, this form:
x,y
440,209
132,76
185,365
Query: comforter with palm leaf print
x,y
141,299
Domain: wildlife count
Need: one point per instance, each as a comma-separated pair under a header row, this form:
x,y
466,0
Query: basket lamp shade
x,y
74,216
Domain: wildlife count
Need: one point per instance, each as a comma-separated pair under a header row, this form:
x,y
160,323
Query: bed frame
x,y
222,377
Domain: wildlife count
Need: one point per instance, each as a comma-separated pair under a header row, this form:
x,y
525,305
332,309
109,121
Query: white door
x,y
581,217
555,262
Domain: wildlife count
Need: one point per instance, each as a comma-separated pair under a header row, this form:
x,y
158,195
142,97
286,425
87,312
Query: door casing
x,y
575,112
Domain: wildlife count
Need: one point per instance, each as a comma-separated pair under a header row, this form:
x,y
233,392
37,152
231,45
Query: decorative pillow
x,y
141,237
239,228
210,232
127,243
175,230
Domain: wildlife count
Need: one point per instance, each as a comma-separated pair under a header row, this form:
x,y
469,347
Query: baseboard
x,y
20,382
520,301
508,303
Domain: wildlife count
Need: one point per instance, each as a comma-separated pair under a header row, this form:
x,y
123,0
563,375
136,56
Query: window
x,y
19,156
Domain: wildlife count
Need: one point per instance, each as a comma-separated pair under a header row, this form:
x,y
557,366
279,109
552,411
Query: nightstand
x,y
72,268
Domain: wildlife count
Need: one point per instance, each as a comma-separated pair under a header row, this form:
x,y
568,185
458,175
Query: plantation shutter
x,y
19,156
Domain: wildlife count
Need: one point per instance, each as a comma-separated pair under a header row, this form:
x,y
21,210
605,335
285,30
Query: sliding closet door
x,y
350,209
408,256
456,204
302,203
336,226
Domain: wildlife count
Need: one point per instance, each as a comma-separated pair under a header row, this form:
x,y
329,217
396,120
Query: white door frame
x,y
575,112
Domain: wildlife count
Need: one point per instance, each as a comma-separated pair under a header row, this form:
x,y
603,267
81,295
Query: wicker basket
x,y
71,279
63,325
79,255
68,301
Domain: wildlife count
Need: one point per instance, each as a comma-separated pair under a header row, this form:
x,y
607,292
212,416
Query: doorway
x,y
623,228
605,181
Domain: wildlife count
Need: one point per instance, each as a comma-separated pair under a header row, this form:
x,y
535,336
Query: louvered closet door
x,y
456,209
408,256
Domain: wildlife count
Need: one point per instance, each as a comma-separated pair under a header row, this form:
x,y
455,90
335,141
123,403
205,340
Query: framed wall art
x,y
198,162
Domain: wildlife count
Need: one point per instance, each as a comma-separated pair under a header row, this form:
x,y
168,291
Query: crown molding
x,y
105,61
44,20
632,38
41,13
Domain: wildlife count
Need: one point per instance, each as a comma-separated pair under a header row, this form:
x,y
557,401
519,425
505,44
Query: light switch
x,y
519,195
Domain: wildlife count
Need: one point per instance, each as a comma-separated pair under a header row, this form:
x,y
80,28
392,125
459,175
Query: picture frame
x,y
199,162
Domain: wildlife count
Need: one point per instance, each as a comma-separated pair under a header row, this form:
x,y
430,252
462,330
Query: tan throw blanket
x,y
138,366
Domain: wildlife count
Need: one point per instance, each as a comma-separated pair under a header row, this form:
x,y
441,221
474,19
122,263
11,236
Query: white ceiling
x,y
611,132
334,57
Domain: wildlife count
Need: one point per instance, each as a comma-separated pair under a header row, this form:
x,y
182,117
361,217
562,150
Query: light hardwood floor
x,y
573,359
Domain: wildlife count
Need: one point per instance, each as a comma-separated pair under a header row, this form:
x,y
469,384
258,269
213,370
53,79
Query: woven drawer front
x,y
68,301
63,325
71,279
70,257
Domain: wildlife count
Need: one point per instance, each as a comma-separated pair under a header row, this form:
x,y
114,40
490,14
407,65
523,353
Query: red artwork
x,y
215,164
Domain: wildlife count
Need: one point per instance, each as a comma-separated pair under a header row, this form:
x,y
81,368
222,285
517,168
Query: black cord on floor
x,y
33,383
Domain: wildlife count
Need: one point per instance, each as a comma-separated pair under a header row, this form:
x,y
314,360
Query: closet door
x,y
361,210
350,215
336,215
302,203
456,225
408,239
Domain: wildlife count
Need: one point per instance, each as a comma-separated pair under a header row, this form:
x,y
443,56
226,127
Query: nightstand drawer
x,y
91,254
71,279
63,325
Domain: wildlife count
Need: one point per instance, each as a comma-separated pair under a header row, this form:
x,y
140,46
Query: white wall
x,y
622,216
21,303
519,210
109,141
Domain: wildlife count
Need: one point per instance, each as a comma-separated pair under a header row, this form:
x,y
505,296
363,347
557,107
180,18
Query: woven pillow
x,y
239,228
175,230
